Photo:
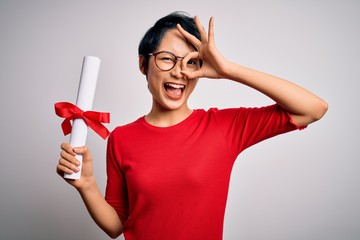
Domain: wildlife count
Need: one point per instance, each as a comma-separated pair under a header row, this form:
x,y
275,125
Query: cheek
x,y
152,73
192,84
153,81
150,85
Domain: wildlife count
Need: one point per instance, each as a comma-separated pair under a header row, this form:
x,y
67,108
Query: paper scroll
x,y
85,97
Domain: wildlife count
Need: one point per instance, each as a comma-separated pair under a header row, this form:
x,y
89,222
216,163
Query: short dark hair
x,y
152,38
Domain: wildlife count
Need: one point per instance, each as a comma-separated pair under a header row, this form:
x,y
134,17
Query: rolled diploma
x,y
84,100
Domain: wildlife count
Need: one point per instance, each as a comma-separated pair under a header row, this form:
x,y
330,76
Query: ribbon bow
x,y
92,119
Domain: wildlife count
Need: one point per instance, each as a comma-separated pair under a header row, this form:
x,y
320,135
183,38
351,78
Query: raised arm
x,y
103,214
304,106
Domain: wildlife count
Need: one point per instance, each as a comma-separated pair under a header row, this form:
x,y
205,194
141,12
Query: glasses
x,y
166,61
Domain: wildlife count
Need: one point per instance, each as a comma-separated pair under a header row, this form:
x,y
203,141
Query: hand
x,y
69,164
214,64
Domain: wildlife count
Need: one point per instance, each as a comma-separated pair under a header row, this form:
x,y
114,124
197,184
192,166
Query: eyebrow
x,y
166,51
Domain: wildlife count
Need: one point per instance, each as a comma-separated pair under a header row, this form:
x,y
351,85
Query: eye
x,y
165,57
194,62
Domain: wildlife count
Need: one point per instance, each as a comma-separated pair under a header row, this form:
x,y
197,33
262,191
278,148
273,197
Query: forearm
x,y
293,98
103,214
304,106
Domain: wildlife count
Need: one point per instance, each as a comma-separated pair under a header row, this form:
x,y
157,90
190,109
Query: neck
x,y
166,118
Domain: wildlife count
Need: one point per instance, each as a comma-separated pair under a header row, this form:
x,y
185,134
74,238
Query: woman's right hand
x,y
69,164
101,211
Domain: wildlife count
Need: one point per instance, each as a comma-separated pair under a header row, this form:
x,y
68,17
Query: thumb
x,y
191,75
84,151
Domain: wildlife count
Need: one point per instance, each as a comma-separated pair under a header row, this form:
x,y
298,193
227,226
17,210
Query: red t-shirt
x,y
169,183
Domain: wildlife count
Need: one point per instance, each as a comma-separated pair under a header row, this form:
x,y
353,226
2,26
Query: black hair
x,y
152,38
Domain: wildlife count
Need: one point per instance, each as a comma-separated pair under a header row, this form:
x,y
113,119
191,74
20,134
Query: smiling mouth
x,y
174,89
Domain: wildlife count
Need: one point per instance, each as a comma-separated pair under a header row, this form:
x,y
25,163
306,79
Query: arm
x,y
103,214
303,106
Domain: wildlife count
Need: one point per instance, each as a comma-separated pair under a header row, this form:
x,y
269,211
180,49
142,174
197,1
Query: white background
x,y
302,185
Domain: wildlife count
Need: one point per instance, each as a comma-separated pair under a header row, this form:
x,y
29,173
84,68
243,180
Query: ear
x,y
142,64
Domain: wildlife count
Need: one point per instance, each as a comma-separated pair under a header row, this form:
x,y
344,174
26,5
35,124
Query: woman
x,y
169,171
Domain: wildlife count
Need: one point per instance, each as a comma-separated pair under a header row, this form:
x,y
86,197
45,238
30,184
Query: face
x,y
170,89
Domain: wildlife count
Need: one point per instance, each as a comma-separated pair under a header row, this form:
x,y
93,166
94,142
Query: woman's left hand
x,y
214,64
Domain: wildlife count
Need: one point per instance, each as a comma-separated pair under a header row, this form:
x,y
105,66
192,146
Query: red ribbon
x,y
92,119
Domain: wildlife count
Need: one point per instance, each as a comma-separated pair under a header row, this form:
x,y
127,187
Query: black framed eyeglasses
x,y
166,61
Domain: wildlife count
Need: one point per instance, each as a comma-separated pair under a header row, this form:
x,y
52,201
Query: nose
x,y
176,71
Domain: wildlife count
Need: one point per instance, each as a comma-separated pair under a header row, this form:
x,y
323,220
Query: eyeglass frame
x,y
176,59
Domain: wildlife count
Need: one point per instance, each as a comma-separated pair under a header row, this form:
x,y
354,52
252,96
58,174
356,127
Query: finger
x,y
67,148
84,151
192,75
59,171
66,167
186,59
203,35
211,31
62,169
74,164
191,38
69,157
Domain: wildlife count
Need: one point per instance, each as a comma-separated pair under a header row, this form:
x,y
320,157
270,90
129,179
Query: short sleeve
x,y
116,190
244,127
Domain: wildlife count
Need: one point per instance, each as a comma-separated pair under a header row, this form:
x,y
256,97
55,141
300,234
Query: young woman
x,y
169,171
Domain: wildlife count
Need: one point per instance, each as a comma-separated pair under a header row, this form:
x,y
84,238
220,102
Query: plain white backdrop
x,y
302,185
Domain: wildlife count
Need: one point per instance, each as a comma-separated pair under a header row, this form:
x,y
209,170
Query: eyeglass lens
x,y
166,61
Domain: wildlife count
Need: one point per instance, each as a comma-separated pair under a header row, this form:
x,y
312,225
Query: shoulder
x,y
122,129
245,114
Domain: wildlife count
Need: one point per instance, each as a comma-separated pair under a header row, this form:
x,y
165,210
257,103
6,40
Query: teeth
x,y
173,85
